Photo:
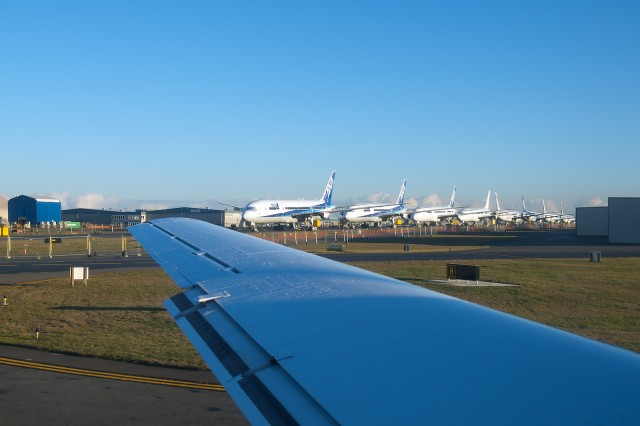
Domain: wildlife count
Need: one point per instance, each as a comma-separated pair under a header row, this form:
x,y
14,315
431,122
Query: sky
x,y
157,104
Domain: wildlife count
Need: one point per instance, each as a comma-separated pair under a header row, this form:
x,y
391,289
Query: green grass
x,y
598,300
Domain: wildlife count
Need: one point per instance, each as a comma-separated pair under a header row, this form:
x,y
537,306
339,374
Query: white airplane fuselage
x,y
474,216
508,216
376,213
433,214
366,214
283,211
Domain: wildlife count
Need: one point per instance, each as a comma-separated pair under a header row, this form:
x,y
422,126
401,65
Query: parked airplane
x,y
546,216
435,215
289,211
376,213
560,217
507,216
543,216
566,218
296,338
528,215
476,215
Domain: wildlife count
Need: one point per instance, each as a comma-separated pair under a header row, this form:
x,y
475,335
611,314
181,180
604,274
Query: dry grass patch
x,y
117,316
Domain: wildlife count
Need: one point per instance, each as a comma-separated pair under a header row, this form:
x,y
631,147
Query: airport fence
x,y
48,246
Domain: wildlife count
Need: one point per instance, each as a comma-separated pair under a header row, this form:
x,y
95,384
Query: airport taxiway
x,y
46,388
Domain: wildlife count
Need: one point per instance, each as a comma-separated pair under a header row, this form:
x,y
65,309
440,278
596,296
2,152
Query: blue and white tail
x,y
328,191
453,198
497,202
401,195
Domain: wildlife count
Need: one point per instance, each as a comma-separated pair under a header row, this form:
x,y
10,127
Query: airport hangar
x,y
35,210
618,221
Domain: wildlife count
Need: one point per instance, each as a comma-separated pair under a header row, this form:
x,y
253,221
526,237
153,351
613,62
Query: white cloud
x,y
432,200
379,197
89,200
62,196
154,206
594,201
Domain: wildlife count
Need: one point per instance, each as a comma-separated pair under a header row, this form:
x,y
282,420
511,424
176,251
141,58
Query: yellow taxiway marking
x,y
114,376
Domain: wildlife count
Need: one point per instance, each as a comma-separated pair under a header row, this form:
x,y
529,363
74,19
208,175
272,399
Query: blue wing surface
x,y
297,338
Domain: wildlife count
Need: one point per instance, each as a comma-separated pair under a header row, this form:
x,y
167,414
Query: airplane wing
x,y
386,216
306,214
239,208
297,338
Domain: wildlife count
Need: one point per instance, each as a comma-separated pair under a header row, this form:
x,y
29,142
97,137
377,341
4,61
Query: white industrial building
x,y
4,209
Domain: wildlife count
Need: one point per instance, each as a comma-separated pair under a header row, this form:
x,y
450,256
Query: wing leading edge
x,y
296,338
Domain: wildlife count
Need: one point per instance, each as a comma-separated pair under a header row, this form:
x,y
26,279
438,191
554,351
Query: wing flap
x,y
243,367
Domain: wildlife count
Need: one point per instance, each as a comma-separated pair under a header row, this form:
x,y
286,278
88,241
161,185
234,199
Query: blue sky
x,y
143,104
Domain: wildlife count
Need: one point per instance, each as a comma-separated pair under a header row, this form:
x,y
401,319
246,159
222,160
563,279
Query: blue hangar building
x,y
36,210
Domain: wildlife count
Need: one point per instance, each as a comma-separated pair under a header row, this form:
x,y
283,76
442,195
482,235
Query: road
x,y
23,269
56,389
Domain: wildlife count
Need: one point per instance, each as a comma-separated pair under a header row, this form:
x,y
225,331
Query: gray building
x,y
119,219
88,216
122,219
618,221
592,221
206,215
623,220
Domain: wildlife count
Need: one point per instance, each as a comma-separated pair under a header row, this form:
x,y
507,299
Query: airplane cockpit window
x,y
251,209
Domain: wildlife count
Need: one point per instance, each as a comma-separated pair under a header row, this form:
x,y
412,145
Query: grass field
x,y
120,315
600,300
116,316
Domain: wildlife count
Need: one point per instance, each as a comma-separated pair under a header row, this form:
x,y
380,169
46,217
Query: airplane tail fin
x,y
486,205
328,191
544,208
401,195
497,202
453,198
524,208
